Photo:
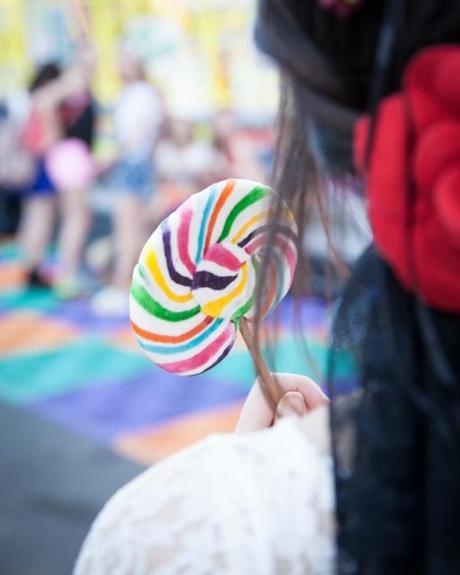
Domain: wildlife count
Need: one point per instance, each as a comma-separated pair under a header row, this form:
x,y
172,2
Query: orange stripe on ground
x,y
12,275
125,339
158,442
24,332
171,338
220,202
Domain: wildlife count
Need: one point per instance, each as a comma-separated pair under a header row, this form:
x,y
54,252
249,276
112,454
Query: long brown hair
x,y
396,438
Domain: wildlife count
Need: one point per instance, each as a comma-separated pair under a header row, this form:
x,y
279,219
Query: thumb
x,y
291,403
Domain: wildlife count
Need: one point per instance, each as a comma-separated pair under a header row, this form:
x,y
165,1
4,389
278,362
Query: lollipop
x,y
197,275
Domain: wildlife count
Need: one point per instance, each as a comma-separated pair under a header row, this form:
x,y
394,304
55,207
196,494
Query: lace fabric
x,y
260,503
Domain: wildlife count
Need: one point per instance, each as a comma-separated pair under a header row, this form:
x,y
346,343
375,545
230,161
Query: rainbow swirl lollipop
x,y
197,275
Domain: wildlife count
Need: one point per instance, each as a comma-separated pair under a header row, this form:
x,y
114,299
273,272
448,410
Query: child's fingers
x,y
257,413
291,403
302,394
311,391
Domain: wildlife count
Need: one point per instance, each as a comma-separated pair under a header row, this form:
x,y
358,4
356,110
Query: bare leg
x,y
129,228
35,229
74,230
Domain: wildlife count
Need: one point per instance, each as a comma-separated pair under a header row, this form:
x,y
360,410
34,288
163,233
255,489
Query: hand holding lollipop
x,y
197,276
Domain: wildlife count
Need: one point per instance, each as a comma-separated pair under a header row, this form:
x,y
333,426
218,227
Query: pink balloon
x,y
70,165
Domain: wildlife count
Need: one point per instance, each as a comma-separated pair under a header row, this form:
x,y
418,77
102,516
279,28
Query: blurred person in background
x,y
16,167
137,117
184,165
236,147
61,107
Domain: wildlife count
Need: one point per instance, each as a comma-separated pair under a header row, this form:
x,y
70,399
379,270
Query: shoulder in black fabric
x,y
395,435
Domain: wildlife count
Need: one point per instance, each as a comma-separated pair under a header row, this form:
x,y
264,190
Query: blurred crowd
x,y
51,173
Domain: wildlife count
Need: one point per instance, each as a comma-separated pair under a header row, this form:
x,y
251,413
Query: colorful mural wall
x,y
200,53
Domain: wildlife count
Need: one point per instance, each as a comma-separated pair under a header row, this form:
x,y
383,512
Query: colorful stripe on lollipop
x,y
199,271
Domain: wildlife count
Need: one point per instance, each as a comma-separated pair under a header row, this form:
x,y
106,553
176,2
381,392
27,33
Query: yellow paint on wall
x,y
14,61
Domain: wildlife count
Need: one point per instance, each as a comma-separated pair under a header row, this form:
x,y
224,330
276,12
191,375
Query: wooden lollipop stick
x,y
270,387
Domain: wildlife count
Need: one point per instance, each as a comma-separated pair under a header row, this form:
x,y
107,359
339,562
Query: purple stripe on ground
x,y
105,410
342,386
79,313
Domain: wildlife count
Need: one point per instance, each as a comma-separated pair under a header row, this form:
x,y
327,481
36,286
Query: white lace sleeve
x,y
258,504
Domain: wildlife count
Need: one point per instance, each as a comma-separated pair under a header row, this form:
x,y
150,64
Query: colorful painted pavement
x,y
61,361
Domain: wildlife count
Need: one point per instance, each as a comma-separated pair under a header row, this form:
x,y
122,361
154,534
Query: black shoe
x,y
35,279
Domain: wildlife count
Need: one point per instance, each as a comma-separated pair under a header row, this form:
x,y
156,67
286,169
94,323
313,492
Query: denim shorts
x,y
132,177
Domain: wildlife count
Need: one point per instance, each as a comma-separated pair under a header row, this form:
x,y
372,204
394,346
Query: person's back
x,y
369,483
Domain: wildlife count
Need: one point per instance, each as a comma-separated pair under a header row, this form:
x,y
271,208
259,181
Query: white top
x,y
186,164
258,504
137,118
